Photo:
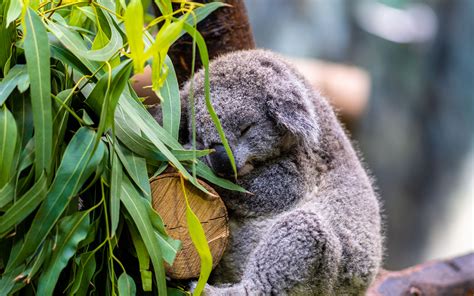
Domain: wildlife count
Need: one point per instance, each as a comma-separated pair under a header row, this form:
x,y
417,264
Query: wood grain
x,y
169,202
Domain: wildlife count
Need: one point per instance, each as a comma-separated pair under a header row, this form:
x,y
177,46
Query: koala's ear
x,y
294,112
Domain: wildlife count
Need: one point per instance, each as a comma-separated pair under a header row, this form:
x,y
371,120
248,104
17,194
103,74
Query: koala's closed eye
x,y
245,129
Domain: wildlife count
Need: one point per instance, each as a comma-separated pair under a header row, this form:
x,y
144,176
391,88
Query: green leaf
x,y
23,206
7,192
171,103
35,266
143,258
115,188
132,201
205,172
61,117
21,109
205,62
129,134
167,35
104,97
37,62
134,25
14,11
126,285
86,269
136,169
72,230
78,163
65,56
7,40
73,41
8,145
156,134
8,280
8,84
196,232
168,246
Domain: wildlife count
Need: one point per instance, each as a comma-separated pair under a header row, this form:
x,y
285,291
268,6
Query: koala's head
x,y
264,108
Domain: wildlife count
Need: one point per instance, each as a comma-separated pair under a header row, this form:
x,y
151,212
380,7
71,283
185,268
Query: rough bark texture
x,y
225,30
447,277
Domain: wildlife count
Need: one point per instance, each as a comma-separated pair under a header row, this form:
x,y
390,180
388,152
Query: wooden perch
x,y
446,277
169,201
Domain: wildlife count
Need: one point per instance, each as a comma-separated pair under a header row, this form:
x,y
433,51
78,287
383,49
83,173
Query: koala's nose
x,y
220,162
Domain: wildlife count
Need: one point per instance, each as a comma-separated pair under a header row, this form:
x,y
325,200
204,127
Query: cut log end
x,y
169,202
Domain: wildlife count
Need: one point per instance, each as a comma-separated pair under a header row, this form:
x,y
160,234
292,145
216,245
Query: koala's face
x,y
253,135
264,111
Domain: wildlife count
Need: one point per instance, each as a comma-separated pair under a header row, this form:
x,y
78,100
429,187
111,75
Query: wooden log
x,y
169,201
446,277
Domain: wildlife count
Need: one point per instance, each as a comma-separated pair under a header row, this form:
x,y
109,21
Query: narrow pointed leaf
x,y
8,143
153,131
115,189
143,259
134,24
72,230
104,97
14,10
205,172
198,237
23,206
136,169
126,285
73,41
37,61
130,198
87,267
7,193
78,163
205,62
8,84
171,104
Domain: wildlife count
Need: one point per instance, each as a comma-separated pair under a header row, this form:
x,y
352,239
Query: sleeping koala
x,y
312,224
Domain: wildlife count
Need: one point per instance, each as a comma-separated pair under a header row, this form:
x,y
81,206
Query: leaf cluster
x,y
77,146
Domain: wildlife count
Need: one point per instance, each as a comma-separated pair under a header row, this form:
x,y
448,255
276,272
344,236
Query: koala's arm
x,y
332,244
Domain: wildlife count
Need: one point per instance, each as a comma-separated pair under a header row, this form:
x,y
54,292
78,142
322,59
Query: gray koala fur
x,y
312,225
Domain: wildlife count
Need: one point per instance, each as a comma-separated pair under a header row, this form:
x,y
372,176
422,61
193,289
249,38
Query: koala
x,y
311,224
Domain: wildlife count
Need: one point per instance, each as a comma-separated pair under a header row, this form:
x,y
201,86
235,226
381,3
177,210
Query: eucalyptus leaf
x,y
8,144
72,229
14,10
171,103
12,80
126,285
132,201
198,237
197,37
78,163
134,24
115,188
37,59
143,259
86,269
24,206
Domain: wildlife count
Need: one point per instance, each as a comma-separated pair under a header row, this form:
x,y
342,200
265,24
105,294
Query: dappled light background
x,y
416,129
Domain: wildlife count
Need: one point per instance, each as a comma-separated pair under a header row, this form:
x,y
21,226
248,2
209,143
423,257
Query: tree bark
x,y
226,29
446,277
